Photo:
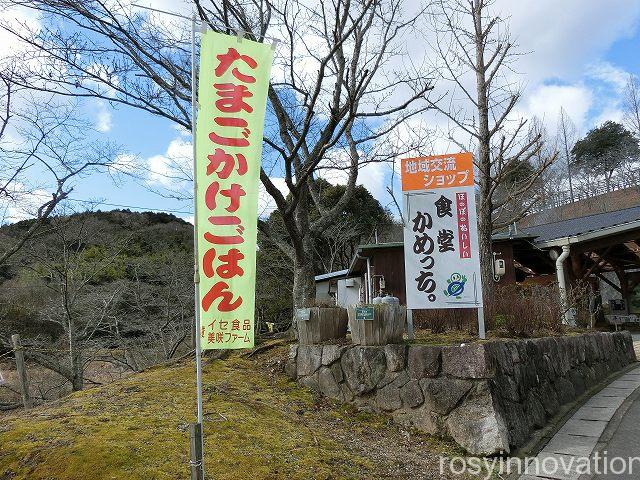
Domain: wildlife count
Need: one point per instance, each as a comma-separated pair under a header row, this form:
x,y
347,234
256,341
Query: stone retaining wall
x,y
488,396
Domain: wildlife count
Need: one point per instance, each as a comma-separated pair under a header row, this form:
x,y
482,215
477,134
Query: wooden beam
x,y
600,262
633,247
606,280
527,270
603,242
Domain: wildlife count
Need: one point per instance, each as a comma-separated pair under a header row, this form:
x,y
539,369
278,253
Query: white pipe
x,y
367,292
562,284
368,279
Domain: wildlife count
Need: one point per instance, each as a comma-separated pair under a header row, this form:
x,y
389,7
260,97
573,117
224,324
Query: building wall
x,y
322,291
390,264
505,251
348,295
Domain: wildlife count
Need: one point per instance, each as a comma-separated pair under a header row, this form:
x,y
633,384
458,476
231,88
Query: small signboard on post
x,y
303,314
442,259
364,313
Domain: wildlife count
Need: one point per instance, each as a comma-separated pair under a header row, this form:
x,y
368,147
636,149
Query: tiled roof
x,y
582,225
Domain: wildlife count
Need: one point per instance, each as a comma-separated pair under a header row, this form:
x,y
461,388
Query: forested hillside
x,y
113,287
106,293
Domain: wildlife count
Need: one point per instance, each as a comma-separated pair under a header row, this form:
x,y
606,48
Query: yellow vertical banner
x,y
232,96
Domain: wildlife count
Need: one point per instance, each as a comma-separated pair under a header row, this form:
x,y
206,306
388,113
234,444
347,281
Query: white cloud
x,y
124,163
546,101
562,37
608,73
172,168
16,18
614,114
23,203
562,47
373,177
266,203
103,117
566,41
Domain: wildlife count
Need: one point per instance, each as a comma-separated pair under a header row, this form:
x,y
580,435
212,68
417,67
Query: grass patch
x,y
456,337
258,424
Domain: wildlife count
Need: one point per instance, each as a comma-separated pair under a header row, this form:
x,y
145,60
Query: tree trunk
x,y
77,380
485,222
304,284
608,180
77,383
75,359
486,257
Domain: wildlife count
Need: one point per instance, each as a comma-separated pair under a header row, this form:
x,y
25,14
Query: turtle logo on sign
x,y
455,285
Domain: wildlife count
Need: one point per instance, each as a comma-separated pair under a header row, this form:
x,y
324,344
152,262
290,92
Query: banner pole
x,y
196,277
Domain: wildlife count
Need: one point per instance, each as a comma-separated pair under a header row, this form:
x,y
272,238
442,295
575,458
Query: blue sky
x,y
581,52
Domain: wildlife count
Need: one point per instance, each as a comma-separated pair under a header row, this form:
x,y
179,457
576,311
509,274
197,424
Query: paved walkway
x,y
624,444
636,344
577,439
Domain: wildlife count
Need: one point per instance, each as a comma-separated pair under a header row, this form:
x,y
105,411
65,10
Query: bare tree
x,y
567,137
43,150
631,105
88,292
72,301
157,305
476,58
343,83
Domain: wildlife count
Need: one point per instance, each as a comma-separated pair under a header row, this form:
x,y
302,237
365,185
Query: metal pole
x,y
410,331
481,331
196,277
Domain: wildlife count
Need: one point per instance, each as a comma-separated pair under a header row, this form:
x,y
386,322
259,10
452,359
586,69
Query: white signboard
x,y
441,256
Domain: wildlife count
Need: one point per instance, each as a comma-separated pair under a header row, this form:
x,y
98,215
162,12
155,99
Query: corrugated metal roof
x,y
582,225
369,246
326,276
503,236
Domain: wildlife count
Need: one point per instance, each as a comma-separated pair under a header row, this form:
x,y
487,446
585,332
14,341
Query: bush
x,y
523,310
441,320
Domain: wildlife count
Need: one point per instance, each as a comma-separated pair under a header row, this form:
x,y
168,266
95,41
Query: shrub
x,y
441,320
523,310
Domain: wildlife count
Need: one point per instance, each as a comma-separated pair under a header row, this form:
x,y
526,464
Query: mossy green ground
x,y
258,425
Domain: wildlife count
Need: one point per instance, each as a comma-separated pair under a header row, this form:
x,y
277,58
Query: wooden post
x,y
317,324
195,432
22,371
385,326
